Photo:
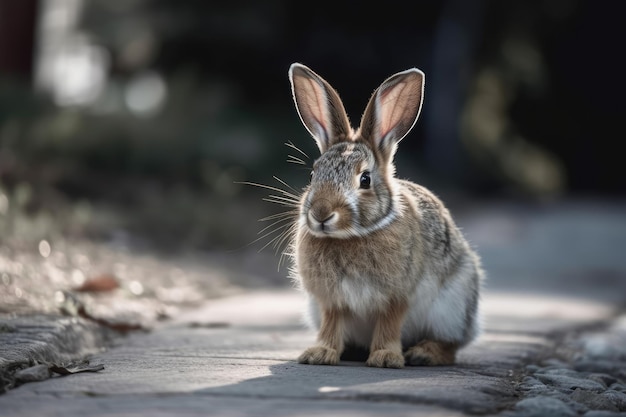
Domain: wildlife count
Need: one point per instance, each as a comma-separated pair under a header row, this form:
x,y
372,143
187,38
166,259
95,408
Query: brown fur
x,y
330,340
386,349
429,352
339,258
383,263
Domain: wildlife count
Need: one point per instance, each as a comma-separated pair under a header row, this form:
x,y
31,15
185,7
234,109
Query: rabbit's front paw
x,y
385,358
319,355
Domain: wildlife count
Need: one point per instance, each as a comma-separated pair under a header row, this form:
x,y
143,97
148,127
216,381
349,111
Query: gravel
x,y
589,377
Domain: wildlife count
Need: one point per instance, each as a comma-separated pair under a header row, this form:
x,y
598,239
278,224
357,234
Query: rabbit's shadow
x,y
353,381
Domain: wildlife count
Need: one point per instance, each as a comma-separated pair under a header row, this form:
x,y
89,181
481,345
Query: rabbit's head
x,y
353,189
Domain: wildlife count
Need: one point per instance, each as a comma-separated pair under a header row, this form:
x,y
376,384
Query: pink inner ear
x,y
316,106
320,130
388,112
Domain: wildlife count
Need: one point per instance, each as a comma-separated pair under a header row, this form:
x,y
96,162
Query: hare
x,y
382,263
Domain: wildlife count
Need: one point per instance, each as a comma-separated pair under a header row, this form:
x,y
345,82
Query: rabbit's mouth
x,y
324,223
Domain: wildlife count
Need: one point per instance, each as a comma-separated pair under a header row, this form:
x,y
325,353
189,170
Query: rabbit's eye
x,y
365,180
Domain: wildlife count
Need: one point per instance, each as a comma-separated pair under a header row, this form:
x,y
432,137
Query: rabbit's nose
x,y
321,211
327,220
321,218
321,215
323,224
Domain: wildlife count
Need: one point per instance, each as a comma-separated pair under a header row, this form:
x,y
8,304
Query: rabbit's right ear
x,y
392,111
319,107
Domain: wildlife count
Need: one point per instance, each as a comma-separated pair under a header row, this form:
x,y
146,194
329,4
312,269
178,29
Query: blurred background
x,y
132,122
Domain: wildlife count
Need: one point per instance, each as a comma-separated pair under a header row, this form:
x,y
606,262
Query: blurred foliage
x,y
161,175
196,99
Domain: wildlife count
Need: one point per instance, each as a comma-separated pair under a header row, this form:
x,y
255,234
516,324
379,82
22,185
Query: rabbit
x,y
382,263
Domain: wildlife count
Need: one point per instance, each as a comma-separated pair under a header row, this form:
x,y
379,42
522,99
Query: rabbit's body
x,y
440,287
381,260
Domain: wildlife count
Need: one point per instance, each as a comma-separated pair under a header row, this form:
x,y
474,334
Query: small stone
x,y
532,386
597,365
558,371
592,400
617,398
544,406
554,363
602,413
7,328
568,383
604,379
34,373
532,368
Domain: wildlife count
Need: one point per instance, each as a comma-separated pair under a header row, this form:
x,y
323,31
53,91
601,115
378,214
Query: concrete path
x,y
235,356
554,342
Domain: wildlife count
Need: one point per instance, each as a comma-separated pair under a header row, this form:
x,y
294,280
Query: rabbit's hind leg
x,y
431,353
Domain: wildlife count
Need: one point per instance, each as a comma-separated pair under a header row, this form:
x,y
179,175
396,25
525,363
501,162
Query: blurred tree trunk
x,y
18,19
454,46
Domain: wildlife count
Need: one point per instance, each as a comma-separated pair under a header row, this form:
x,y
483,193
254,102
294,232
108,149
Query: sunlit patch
x,y
44,248
328,389
59,297
135,287
56,275
78,278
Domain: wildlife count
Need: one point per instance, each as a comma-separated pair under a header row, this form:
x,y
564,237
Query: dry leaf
x,y
75,368
101,283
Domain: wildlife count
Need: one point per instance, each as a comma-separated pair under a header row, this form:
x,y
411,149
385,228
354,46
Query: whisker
x,y
286,185
282,227
278,197
270,233
283,238
277,222
266,245
282,201
275,237
279,242
268,187
295,160
286,214
281,259
287,251
277,229
294,147
278,238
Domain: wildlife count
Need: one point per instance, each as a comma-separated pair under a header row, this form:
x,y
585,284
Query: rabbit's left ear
x,y
392,111
319,107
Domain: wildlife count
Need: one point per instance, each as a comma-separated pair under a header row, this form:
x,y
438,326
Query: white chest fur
x,y
433,312
360,297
